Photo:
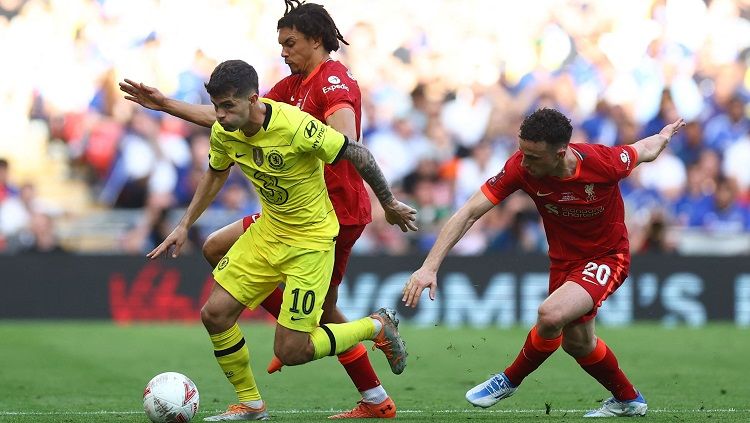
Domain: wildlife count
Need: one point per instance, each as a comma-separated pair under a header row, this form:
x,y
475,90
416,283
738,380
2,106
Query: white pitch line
x,y
501,411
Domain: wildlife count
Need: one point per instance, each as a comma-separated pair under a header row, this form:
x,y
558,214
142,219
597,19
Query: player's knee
x,y
213,250
549,318
214,320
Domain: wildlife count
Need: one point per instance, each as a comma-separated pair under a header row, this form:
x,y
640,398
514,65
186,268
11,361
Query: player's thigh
x,y
348,236
599,277
308,275
222,239
564,305
245,271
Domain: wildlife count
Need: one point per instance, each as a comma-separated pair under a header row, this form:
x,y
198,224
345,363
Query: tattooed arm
x,y
396,212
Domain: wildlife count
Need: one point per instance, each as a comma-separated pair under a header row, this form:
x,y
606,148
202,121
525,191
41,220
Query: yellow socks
x,y
333,339
234,358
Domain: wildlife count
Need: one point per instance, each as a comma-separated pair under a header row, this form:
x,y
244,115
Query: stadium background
x,y
445,85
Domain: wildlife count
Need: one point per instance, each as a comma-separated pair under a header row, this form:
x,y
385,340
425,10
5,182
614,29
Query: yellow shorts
x,y
254,267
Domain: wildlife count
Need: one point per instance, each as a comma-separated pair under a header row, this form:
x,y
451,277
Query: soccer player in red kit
x,y
575,188
327,90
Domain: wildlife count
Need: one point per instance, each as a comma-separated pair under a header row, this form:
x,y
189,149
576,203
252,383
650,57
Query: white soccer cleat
x,y
613,408
489,392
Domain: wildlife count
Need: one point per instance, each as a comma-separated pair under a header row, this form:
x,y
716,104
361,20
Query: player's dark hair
x,y
312,20
546,125
233,77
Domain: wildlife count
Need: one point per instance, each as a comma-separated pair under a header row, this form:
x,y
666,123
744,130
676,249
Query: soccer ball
x,y
170,398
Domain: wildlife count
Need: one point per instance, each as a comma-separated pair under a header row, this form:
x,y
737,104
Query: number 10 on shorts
x,y
308,301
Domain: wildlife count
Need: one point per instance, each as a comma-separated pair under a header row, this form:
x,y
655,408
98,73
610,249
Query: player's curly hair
x,y
546,125
312,20
234,77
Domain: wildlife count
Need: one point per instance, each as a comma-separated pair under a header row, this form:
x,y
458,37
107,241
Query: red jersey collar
x,y
579,162
315,71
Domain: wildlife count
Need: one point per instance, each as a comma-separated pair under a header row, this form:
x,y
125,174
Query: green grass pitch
x,y
91,372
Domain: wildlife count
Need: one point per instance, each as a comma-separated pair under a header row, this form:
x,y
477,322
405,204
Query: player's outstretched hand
x,y
672,128
418,281
148,97
177,238
398,213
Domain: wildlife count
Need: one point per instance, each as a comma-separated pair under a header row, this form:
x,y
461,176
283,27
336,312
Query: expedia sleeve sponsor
x,y
324,141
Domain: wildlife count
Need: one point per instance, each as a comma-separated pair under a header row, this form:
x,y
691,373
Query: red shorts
x,y
599,277
348,235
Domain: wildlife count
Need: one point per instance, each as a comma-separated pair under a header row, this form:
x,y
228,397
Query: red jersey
x,y
327,89
583,215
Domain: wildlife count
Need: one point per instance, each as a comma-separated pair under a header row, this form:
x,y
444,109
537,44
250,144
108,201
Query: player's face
x,y
232,112
297,50
539,158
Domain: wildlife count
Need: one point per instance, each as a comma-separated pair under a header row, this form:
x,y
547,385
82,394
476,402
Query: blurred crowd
x,y
445,86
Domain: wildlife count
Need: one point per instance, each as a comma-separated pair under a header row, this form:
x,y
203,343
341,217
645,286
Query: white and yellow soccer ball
x,y
170,397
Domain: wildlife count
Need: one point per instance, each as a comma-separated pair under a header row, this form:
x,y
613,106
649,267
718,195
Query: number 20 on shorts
x,y
599,272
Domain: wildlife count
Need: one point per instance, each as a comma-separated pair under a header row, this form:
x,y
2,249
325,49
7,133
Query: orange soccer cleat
x,y
275,365
365,410
389,341
240,412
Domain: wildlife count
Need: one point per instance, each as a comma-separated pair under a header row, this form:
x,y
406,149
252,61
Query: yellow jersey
x,y
284,161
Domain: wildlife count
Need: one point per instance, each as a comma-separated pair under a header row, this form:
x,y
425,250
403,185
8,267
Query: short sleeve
x,y
318,138
505,182
217,155
337,90
622,159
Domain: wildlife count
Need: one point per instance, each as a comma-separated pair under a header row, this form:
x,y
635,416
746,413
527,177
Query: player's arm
x,y
648,149
152,98
396,212
343,120
208,187
450,234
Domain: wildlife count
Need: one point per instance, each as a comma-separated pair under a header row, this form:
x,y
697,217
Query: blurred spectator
x,y
443,96
724,214
689,145
600,128
654,239
43,236
697,195
736,164
483,162
6,188
432,199
727,127
398,149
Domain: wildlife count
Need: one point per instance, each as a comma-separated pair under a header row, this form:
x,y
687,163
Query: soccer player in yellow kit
x,y
281,150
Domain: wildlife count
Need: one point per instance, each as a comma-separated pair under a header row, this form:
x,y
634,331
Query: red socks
x,y
602,365
360,370
355,361
535,350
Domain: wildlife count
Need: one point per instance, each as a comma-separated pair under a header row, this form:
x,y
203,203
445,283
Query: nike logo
x,y
539,194
238,155
294,319
589,281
